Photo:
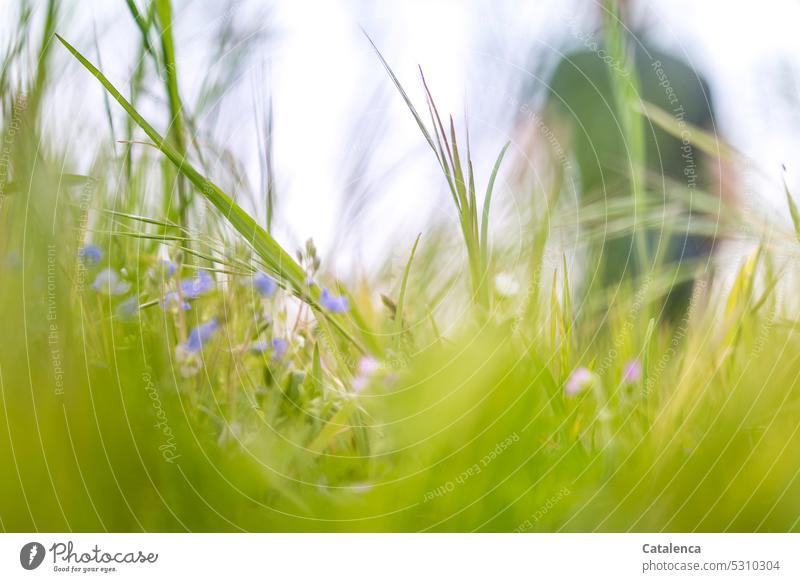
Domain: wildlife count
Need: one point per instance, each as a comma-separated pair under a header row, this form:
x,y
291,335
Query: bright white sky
x,y
324,79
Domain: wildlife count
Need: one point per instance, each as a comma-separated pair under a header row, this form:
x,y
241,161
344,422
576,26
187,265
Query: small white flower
x,y
506,284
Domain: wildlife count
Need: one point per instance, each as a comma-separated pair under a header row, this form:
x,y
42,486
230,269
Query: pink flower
x,y
578,381
632,372
367,366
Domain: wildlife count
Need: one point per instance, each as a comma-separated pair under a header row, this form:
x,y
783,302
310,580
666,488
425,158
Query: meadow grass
x,y
167,365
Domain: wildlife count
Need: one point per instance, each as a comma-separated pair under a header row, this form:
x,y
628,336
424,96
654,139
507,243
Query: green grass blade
x,y
487,202
143,26
144,219
458,172
438,123
403,93
627,95
442,158
164,11
398,316
792,209
703,140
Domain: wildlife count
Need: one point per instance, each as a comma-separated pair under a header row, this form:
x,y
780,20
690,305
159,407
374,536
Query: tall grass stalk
x,y
176,127
627,96
461,183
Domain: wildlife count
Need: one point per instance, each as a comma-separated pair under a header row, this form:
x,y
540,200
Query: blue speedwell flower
x,y
128,308
198,285
169,268
259,347
332,303
90,254
107,281
172,298
12,260
279,346
200,335
264,284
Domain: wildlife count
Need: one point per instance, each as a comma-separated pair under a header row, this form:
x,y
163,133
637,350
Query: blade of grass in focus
x,y
487,202
793,212
460,182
